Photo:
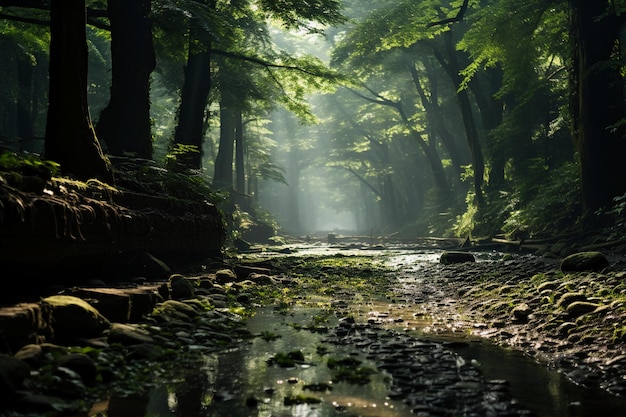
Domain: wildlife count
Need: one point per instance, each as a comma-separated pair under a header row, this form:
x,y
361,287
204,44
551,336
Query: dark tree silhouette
x,y
124,125
70,137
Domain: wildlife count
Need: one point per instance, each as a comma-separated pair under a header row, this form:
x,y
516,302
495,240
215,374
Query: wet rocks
x,y
573,321
425,375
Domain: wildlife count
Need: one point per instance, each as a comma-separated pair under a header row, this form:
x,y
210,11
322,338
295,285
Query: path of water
x,y
245,382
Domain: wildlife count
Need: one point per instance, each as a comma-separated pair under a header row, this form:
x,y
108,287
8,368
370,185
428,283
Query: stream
x,y
392,368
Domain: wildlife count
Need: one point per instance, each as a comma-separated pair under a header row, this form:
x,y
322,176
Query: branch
x,y
367,184
92,15
268,64
459,16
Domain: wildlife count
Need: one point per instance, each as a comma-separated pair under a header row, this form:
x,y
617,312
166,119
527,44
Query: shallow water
x,y
243,382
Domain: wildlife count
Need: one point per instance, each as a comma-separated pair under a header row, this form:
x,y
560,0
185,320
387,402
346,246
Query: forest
x,y
433,117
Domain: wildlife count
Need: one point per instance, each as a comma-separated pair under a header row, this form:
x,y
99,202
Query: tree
x,y
124,125
597,101
70,137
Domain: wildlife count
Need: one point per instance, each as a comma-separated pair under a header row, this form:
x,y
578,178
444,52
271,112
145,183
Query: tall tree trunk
x,y
223,174
194,97
597,103
195,94
70,137
240,173
124,125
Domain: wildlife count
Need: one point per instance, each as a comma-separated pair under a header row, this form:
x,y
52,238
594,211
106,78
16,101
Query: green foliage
x,y
544,203
300,14
27,164
147,177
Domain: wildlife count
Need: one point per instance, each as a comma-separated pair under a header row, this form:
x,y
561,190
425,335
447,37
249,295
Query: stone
x,y
13,373
82,364
578,308
224,276
455,257
20,325
584,261
521,312
73,318
128,335
180,287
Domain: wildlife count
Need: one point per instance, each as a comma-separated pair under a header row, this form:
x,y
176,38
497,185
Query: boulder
x,y
13,372
584,261
73,319
20,325
455,257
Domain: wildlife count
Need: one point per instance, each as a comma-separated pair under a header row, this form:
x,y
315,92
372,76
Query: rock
x,y
20,325
521,312
454,257
181,288
569,298
584,261
173,306
82,364
145,351
74,319
128,335
243,271
224,276
13,373
112,303
578,308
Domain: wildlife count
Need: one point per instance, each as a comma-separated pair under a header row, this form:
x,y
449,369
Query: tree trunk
x,y
124,125
240,173
70,138
223,175
597,104
194,97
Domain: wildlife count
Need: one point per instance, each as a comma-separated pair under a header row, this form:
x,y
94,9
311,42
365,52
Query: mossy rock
x,y
455,257
584,261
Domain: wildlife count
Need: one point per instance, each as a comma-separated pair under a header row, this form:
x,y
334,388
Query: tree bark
x,y
240,173
124,125
194,97
223,175
597,103
70,137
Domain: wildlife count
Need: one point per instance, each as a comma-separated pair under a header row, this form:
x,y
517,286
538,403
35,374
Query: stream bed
x,y
342,355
